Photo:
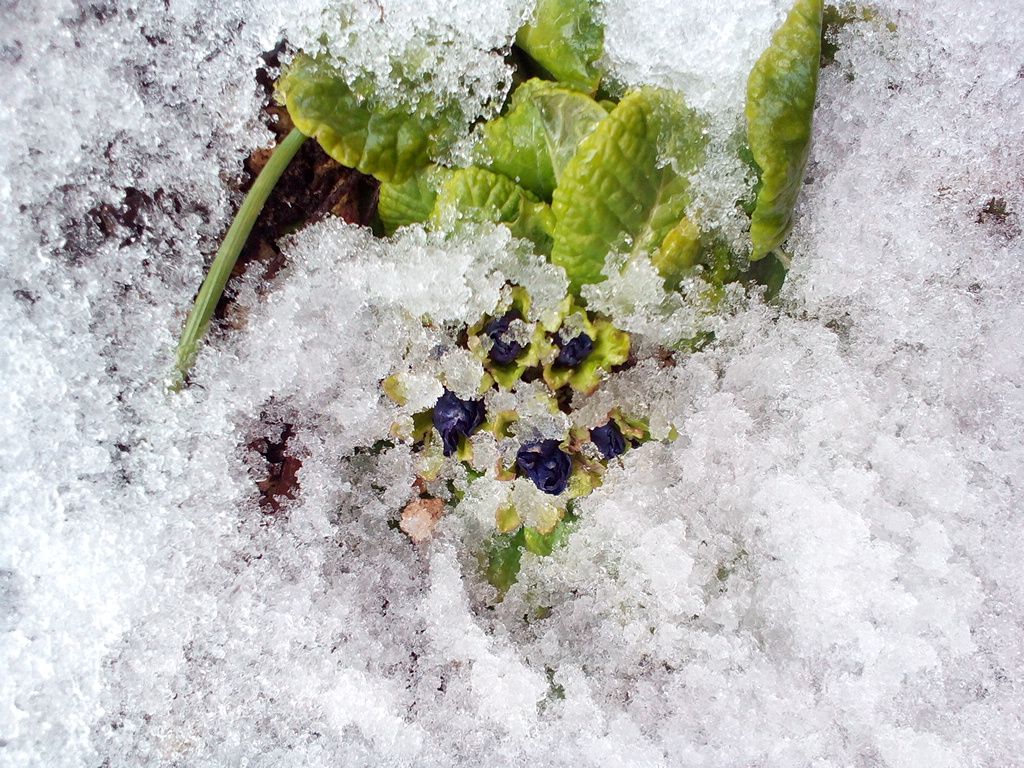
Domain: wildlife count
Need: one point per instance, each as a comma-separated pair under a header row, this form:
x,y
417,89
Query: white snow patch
x,y
823,569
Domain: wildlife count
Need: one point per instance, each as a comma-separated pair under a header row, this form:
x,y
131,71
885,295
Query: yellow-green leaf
x,y
411,201
779,110
532,143
478,195
627,185
386,141
566,38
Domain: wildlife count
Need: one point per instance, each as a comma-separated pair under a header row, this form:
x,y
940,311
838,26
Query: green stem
x,y
213,286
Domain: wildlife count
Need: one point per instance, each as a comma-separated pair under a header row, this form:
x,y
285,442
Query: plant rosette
x,y
592,187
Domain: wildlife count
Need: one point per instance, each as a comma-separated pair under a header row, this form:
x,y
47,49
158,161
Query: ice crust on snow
x,y
823,569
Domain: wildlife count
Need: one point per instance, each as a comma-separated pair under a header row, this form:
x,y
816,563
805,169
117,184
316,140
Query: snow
x,y
823,569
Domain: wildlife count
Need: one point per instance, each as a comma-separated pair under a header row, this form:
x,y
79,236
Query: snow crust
x,y
822,570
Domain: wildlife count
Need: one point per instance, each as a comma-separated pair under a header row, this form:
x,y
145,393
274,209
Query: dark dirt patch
x,y
998,218
313,186
279,479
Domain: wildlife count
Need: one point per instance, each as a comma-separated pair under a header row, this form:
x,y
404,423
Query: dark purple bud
x,y
456,418
503,351
609,440
546,464
574,351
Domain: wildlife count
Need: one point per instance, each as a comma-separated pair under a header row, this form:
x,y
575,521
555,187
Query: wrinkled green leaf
x,y
626,187
478,195
780,107
537,542
389,142
544,544
503,553
532,143
411,201
566,38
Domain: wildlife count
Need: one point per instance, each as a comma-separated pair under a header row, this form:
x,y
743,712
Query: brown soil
x,y
312,187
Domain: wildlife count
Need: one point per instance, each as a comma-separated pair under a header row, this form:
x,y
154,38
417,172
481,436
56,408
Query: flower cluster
x,y
517,424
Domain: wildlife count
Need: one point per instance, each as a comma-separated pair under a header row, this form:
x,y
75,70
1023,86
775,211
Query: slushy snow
x,y
822,570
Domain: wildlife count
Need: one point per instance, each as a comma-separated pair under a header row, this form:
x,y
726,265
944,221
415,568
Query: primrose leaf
x,y
502,558
680,251
532,143
389,142
780,108
478,195
410,201
566,39
627,185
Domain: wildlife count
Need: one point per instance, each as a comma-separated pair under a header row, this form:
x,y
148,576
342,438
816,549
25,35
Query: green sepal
x,y
779,111
359,130
464,452
627,185
585,477
430,460
506,519
422,425
566,38
631,427
500,424
532,142
611,348
393,387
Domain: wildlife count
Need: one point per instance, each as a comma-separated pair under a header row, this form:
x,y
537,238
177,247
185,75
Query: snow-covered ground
x,y
824,569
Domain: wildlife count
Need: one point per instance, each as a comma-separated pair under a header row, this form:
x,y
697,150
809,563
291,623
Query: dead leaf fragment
x,y
420,517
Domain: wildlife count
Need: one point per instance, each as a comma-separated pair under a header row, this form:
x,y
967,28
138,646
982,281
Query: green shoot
x,y
213,286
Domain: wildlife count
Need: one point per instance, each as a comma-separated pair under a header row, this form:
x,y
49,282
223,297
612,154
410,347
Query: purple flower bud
x,y
456,418
574,351
546,464
609,440
503,352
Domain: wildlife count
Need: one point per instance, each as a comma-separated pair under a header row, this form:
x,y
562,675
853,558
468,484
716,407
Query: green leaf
x,y
769,272
544,544
780,108
532,143
502,558
679,253
566,39
838,16
536,542
389,142
626,187
411,201
478,195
